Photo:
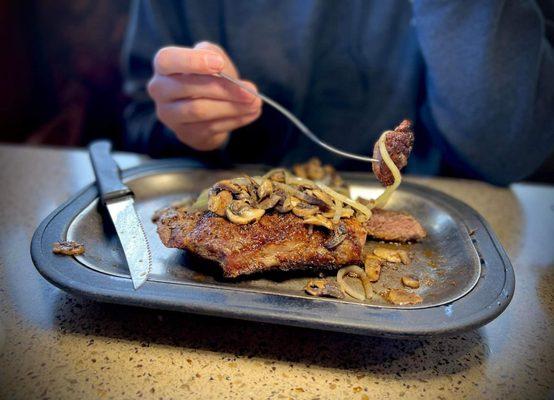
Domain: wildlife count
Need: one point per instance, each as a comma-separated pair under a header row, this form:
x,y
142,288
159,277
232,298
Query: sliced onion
x,y
201,203
352,203
338,212
360,273
383,199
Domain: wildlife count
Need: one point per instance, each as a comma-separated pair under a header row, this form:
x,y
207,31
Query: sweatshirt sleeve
x,y
489,84
152,25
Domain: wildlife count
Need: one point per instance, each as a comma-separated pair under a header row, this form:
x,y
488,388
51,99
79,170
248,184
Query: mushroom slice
x,y
319,220
345,213
299,171
324,288
276,175
304,210
68,248
402,297
241,213
252,188
228,186
373,266
410,282
218,202
285,205
338,237
314,170
269,202
323,197
313,200
265,189
392,255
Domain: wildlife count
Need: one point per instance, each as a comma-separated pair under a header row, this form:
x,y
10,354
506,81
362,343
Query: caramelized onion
x,y
383,199
360,274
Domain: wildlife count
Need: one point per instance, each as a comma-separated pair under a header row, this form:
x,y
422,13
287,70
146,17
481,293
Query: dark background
x,y
61,83
61,80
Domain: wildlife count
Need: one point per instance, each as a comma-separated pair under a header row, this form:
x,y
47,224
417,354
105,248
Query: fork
x,y
303,128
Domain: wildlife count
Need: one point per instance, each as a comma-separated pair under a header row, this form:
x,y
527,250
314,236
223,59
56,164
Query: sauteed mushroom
x,y
373,266
285,205
269,202
218,202
241,213
338,237
277,175
228,186
68,248
265,189
319,220
393,256
304,210
324,288
410,282
402,297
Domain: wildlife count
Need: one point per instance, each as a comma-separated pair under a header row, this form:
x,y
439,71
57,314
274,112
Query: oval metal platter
x,y
467,279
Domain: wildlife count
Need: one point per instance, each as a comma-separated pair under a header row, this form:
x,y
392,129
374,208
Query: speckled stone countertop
x,y
56,346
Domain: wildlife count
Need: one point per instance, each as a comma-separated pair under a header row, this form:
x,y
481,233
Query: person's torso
x,y
349,69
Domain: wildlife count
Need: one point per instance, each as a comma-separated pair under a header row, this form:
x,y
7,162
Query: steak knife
x,y
120,201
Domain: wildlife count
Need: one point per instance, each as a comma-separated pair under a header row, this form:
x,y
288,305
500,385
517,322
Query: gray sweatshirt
x,y
476,77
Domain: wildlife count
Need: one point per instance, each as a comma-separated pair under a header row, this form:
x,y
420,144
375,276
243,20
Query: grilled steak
x,y
394,226
399,145
276,242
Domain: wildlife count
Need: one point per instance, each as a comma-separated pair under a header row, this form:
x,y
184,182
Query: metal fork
x,y
303,128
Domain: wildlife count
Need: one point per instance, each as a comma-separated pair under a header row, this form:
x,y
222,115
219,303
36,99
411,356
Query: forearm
x,y
489,82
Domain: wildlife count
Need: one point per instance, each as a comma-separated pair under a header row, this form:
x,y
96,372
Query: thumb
x,y
229,67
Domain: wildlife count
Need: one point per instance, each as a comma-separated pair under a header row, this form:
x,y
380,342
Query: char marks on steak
x,y
399,145
276,242
394,226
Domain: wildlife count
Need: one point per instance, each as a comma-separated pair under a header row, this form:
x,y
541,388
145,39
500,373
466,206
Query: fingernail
x,y
215,62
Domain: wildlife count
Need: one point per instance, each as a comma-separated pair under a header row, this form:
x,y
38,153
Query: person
x,y
476,78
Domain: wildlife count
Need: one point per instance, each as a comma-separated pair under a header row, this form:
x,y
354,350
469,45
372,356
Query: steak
x,y
276,242
399,145
394,226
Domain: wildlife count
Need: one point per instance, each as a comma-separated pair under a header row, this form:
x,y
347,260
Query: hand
x,y
200,108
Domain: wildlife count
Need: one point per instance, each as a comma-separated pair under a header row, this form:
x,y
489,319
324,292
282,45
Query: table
x,y
57,346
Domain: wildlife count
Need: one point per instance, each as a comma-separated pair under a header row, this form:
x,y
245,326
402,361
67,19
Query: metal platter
x,y
467,279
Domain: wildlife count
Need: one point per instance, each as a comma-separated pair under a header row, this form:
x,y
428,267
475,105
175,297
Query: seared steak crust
x,y
276,242
394,226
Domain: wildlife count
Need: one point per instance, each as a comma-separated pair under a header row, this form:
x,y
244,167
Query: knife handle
x,y
107,172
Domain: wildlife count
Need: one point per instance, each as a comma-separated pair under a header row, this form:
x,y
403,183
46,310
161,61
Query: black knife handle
x,y
107,172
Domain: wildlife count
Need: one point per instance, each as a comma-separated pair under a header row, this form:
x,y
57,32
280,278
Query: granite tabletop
x,y
57,346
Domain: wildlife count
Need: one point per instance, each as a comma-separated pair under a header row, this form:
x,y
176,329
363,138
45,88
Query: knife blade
x,y
120,203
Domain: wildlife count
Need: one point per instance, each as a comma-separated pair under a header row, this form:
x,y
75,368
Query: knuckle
x,y
162,59
161,113
189,60
251,85
194,110
153,88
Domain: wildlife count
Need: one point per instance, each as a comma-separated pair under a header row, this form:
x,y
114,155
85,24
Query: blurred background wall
x,y
61,83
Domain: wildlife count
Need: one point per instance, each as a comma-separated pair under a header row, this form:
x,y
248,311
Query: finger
x,y
221,125
183,60
204,142
229,67
177,87
209,135
198,110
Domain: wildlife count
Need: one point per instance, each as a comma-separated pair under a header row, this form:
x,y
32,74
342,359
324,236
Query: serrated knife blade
x,y
120,203
132,238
